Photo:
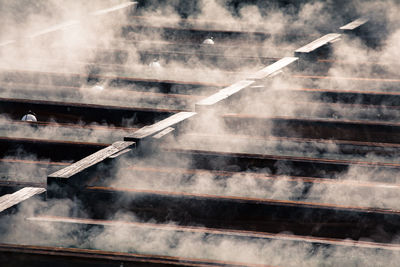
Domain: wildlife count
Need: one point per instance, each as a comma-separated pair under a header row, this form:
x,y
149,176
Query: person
x,y
209,41
155,64
30,116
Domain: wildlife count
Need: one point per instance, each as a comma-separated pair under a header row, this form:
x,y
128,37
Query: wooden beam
x,y
74,79
355,24
240,85
354,130
114,8
10,200
316,49
357,148
273,68
67,24
300,165
75,112
163,133
222,94
67,181
216,231
380,99
71,177
91,160
28,255
151,130
9,186
120,153
324,40
55,28
243,213
48,149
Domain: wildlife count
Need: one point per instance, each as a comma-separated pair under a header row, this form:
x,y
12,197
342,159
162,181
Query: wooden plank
x,y
74,112
243,213
151,130
354,24
254,200
25,255
163,133
114,8
223,94
91,160
10,200
354,130
116,155
74,79
217,231
67,24
61,26
263,177
324,40
273,68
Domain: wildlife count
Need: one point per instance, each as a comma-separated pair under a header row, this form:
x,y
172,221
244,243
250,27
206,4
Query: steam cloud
x,y
303,24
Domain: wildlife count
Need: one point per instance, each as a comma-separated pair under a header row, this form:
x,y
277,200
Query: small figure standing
x,y
209,41
30,116
155,64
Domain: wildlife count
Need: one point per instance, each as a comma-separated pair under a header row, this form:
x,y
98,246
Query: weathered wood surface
x,y
352,130
155,128
240,85
163,133
10,200
223,94
75,112
273,68
38,256
114,8
91,160
67,24
354,24
120,153
300,165
324,40
58,27
243,213
217,231
255,200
